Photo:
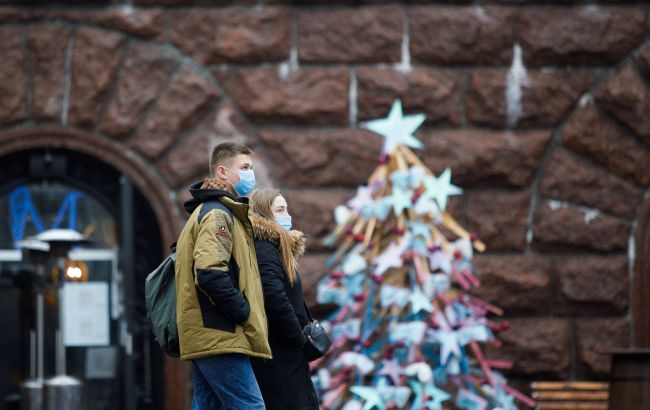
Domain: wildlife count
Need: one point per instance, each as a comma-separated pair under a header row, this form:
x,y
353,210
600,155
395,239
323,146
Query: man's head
x,y
228,160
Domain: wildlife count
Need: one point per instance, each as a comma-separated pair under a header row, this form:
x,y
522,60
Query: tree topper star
x,y
397,128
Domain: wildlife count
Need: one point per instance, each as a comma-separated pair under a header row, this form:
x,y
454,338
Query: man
x,y
220,307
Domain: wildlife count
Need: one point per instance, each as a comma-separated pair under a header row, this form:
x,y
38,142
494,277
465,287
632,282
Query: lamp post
x,y
61,392
37,253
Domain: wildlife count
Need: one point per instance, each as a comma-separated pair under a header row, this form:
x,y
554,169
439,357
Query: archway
x,y
67,166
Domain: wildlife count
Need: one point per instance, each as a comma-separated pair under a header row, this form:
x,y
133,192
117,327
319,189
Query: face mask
x,y
246,182
284,221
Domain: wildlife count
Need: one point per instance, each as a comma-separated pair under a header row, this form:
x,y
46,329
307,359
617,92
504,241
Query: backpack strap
x,y
210,205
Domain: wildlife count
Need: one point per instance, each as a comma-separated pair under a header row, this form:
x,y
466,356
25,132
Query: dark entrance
x,y
134,377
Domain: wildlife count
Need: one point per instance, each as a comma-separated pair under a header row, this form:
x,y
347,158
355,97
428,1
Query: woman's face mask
x,y
284,221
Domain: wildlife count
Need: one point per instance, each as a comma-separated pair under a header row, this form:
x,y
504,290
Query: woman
x,y
284,381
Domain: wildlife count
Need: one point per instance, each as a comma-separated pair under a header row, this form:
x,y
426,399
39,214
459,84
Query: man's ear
x,y
220,172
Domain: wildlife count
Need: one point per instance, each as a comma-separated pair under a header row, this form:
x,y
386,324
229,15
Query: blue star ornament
x,y
428,396
419,301
440,188
371,397
434,396
397,128
400,199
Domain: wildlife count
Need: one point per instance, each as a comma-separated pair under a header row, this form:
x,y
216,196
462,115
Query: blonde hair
x,y
261,200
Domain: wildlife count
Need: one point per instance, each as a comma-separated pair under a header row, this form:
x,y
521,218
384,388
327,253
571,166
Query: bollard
x,y
62,393
31,395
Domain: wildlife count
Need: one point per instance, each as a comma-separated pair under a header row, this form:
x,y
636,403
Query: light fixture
x,y
74,271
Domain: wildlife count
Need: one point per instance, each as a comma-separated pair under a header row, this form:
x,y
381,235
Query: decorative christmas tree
x,y
407,334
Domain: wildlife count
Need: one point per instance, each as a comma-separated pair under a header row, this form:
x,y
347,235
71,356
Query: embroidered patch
x,y
222,232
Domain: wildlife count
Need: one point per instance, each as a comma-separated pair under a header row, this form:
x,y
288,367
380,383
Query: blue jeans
x,y
225,382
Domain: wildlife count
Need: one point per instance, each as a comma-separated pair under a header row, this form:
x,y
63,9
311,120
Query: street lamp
x,y
61,392
60,242
37,253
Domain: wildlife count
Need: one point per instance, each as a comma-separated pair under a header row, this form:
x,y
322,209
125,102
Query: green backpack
x,y
160,298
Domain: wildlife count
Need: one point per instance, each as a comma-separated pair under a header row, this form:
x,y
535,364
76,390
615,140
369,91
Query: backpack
x,y
160,298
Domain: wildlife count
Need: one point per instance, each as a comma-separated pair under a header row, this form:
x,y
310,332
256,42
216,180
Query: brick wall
x,y
554,163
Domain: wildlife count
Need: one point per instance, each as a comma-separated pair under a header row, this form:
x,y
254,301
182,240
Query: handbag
x,y
318,341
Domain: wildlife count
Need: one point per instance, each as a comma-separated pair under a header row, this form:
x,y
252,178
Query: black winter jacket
x,y
285,381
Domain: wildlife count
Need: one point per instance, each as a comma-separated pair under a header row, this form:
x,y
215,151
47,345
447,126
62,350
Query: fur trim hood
x,y
263,229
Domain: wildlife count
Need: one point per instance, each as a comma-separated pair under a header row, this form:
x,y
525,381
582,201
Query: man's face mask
x,y
246,182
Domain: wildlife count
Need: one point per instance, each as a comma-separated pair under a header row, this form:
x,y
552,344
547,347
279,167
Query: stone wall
x,y
554,162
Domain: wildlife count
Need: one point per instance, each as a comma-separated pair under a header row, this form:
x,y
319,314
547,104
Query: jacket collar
x,y
210,190
264,229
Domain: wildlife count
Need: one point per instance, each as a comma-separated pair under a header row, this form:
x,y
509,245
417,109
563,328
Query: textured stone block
x,y
485,158
461,35
536,346
94,63
579,35
311,158
181,106
141,22
590,285
518,284
436,93
571,179
499,218
558,227
306,96
47,59
145,72
596,338
13,79
360,35
589,133
624,95
546,97
233,34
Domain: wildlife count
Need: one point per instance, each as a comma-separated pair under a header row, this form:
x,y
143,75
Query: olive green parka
x,y
219,299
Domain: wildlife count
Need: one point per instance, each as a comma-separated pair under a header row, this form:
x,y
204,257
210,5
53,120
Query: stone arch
x,y
589,196
120,157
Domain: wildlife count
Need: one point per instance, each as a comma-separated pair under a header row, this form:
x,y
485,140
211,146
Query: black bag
x,y
318,341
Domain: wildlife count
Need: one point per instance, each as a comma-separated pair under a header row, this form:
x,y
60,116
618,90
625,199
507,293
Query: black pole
x,y
126,267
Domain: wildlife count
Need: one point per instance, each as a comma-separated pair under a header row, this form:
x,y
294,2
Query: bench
x,y
571,395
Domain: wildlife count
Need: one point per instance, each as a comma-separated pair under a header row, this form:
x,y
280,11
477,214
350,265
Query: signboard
x,y
86,314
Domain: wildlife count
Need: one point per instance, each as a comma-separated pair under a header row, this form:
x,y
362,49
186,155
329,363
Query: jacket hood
x,y
203,191
264,229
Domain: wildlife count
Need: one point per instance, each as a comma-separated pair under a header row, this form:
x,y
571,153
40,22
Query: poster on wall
x,y
86,314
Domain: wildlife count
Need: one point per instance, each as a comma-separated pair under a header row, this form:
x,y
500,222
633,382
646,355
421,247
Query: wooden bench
x,y
573,395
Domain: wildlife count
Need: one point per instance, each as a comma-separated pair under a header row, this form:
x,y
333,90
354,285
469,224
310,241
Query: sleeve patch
x,y
222,232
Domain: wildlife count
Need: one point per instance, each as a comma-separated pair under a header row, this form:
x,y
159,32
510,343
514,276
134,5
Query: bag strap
x,y
309,316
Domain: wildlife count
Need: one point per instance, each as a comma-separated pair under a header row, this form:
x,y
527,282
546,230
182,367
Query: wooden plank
x,y
571,395
570,385
572,406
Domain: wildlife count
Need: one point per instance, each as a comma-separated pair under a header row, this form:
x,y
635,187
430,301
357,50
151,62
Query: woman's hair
x,y
261,200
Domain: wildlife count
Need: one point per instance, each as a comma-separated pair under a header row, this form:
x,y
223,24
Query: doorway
x,y
45,188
